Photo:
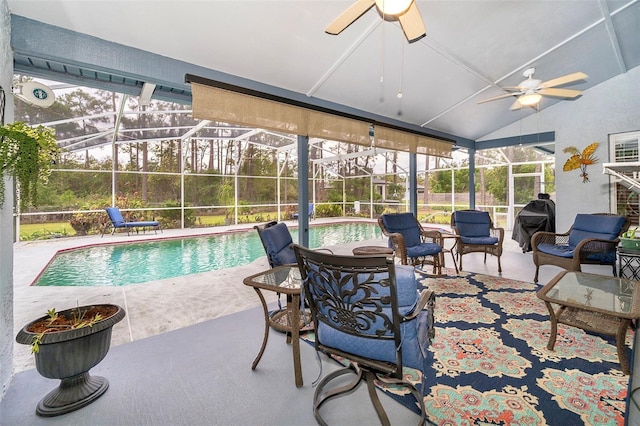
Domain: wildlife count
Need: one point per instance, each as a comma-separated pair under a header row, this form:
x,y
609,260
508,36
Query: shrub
x,y
329,210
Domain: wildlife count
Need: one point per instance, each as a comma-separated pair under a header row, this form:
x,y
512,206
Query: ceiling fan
x,y
530,91
405,11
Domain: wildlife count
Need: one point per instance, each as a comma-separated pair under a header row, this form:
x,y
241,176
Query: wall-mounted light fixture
x,y
146,92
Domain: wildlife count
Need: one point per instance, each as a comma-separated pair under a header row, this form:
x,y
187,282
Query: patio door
x,y
524,185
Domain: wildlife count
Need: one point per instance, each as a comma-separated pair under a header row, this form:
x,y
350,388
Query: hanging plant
x,y
27,154
580,160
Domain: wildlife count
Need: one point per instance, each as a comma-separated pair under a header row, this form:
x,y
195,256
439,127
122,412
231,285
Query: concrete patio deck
x,y
182,355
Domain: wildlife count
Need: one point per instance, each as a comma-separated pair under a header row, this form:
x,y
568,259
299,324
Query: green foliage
x,y
79,319
27,153
329,210
173,218
440,181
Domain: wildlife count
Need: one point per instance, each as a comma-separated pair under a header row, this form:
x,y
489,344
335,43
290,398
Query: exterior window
x,y
624,148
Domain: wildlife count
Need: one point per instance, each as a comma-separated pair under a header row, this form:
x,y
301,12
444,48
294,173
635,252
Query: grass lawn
x,y
49,230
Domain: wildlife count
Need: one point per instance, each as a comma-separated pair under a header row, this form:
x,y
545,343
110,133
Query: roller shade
x,y
336,128
219,104
385,137
212,103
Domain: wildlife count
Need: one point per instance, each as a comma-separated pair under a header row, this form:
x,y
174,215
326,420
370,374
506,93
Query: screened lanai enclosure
x,y
155,161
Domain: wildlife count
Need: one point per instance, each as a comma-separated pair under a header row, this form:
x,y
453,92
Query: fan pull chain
x,y
399,95
2,106
382,52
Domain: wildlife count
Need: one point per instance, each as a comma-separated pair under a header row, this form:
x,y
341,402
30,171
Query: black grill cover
x,y
537,215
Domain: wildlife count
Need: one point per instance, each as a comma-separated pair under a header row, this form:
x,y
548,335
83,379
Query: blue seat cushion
x,y
557,250
405,224
473,224
277,241
118,221
568,252
483,241
143,223
423,249
382,350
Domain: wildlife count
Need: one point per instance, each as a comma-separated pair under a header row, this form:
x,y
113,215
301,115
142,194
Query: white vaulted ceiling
x,y
472,48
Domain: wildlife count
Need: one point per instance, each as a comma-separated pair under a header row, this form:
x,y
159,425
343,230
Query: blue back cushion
x,y
595,226
405,224
472,223
115,216
379,349
277,241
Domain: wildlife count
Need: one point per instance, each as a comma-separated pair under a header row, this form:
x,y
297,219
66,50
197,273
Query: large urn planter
x,y
69,354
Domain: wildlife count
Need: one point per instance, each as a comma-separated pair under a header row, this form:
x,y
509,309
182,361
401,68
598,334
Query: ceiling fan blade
x,y
498,97
565,79
347,17
561,93
412,24
516,106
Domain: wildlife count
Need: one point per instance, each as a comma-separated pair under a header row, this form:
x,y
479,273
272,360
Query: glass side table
x,y
597,303
286,280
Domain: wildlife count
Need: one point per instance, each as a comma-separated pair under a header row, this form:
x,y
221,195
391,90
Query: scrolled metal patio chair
x,y
368,311
592,239
411,242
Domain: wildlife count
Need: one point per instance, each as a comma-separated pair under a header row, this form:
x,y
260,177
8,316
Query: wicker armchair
x,y
476,233
411,242
369,311
592,239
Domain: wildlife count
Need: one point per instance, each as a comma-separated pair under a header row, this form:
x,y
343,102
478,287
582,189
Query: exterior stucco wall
x,y
610,107
6,233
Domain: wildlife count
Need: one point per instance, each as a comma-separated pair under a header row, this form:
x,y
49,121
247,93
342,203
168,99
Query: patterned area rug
x,y
491,365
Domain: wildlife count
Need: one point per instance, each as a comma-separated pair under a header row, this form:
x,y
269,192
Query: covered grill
x,y
537,215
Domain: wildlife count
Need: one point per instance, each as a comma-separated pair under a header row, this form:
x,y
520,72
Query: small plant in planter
x,y
26,153
55,322
630,239
66,345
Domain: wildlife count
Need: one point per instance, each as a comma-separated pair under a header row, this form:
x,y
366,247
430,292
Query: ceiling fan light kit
x,y
529,100
405,11
531,90
393,7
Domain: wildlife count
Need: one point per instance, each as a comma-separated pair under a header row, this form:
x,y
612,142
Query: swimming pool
x,y
134,263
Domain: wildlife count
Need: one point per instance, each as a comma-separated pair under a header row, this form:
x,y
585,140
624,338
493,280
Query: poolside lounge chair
x,y
117,221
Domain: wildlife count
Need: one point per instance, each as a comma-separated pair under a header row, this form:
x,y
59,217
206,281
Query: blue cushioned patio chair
x,y
476,233
411,242
592,239
276,240
117,221
369,311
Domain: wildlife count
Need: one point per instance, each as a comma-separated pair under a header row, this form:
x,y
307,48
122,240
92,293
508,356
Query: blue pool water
x,y
134,263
